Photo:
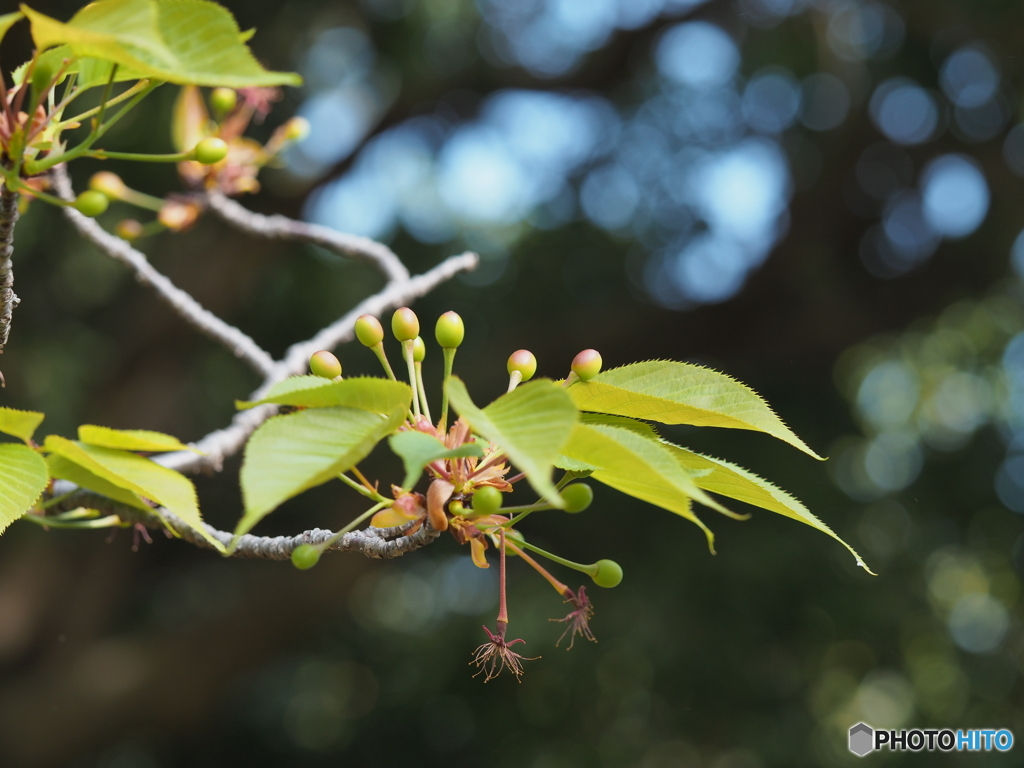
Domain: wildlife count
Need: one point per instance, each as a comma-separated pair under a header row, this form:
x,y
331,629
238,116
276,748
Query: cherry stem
x,y
559,586
378,350
502,607
449,361
513,380
423,392
407,350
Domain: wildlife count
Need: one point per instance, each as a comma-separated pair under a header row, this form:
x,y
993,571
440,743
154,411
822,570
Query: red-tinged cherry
x,y
524,362
369,331
419,350
210,151
608,574
305,556
91,203
450,330
109,184
587,364
577,497
129,229
487,500
324,364
404,324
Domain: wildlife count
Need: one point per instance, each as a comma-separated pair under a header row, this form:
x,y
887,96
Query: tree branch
x,y
241,345
8,299
278,227
377,543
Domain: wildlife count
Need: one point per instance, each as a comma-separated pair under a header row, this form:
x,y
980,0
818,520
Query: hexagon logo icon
x,y
861,739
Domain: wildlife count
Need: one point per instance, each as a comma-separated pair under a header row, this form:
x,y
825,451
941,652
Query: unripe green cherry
x,y
223,100
91,203
524,362
369,331
210,151
296,129
608,574
404,324
305,556
577,497
450,330
419,350
324,364
129,229
587,364
486,500
108,183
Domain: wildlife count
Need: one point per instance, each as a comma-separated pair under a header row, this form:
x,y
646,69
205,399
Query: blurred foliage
x,y
881,326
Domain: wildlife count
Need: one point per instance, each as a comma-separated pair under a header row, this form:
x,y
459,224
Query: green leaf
x,y
530,424
130,439
64,469
417,449
292,453
680,393
366,393
20,424
639,466
139,475
727,479
8,20
179,41
23,478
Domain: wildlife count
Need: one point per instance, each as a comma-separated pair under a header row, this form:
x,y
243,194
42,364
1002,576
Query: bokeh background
x,y
822,198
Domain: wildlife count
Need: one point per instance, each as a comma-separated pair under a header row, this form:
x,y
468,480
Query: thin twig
x,y
278,227
241,345
8,299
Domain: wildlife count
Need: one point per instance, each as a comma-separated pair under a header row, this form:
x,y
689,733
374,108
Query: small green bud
x,y
210,151
404,324
608,574
223,100
450,330
577,497
305,556
296,129
524,362
486,500
419,350
109,184
129,229
324,364
587,364
91,203
369,331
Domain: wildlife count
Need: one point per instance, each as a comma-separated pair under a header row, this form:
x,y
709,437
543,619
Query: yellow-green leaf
x,y
680,393
20,424
139,475
23,478
130,439
530,424
64,469
417,449
8,20
727,479
639,466
291,453
365,393
179,41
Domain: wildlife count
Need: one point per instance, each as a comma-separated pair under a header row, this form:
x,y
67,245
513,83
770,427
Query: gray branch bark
x,y
282,228
8,299
376,543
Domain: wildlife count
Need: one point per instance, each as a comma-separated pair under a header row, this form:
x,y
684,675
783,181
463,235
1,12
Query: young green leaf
x,y
417,449
138,475
639,466
365,393
292,453
130,439
529,424
64,469
727,479
23,478
179,41
8,20
20,424
680,393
